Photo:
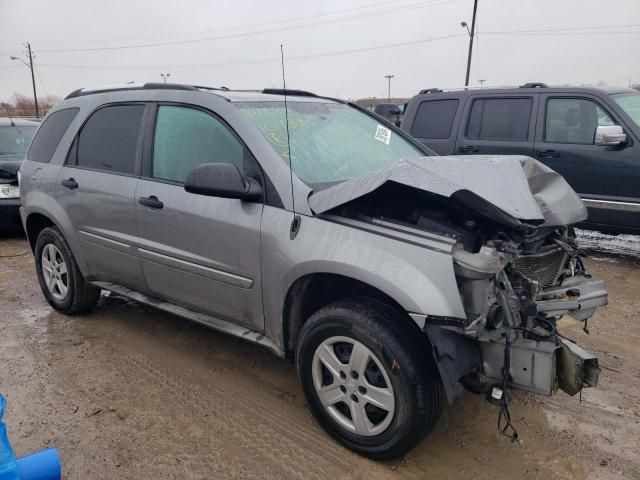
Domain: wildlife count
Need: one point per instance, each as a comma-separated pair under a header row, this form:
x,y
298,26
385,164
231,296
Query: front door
x,y
96,187
601,174
197,251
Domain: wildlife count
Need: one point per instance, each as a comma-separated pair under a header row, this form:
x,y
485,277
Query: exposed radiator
x,y
544,267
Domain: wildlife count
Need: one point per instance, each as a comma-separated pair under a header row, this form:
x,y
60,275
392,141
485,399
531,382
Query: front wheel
x,y
368,378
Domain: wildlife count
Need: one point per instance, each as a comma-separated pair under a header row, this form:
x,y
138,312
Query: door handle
x,y
70,183
547,153
468,149
151,202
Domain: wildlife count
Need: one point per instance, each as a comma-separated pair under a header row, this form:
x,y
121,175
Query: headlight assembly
x,y
9,191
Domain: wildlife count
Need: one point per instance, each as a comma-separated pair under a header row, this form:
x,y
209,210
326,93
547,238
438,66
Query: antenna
x,y
295,223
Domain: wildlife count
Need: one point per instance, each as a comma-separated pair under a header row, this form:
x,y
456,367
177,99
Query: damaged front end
x,y
513,295
516,262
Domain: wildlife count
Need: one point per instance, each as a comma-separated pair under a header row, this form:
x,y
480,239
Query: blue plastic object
x,y
8,466
44,465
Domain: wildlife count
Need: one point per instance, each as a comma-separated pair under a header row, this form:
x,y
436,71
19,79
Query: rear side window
x,y
49,135
505,119
109,139
186,137
434,119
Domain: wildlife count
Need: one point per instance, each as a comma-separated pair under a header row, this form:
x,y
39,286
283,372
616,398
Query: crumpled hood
x,y
523,189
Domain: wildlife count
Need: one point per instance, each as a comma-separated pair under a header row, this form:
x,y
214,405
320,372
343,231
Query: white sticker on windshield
x,y
383,134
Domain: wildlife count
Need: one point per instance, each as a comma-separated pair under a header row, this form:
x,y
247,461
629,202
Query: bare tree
x,y
24,106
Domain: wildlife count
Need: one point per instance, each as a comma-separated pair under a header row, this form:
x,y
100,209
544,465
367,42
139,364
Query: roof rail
x,y
202,87
282,91
129,86
534,85
430,90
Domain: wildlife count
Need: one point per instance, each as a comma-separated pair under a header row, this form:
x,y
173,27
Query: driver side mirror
x,y
610,135
222,180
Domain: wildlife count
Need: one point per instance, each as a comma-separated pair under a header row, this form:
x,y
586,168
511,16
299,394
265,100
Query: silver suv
x,y
393,277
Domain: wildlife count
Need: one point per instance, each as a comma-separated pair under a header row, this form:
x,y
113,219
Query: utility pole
x,y
471,35
389,77
33,80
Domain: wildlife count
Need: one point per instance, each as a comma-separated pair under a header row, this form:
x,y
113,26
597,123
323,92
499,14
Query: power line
x,y
246,34
292,58
237,27
269,60
558,29
538,34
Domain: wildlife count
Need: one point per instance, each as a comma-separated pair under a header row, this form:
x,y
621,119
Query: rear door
x,y
96,187
198,251
498,124
433,123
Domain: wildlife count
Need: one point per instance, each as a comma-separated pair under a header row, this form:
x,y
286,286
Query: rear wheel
x,y
368,379
60,279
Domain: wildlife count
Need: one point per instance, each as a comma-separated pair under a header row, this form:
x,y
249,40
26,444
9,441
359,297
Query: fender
x,y
420,279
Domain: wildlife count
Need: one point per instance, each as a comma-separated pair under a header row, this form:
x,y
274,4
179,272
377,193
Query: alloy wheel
x,y
353,386
55,272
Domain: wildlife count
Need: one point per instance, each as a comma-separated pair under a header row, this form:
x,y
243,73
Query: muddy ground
x,y
130,393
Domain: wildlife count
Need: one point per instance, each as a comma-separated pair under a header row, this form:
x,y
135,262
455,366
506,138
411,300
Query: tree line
x,y
24,106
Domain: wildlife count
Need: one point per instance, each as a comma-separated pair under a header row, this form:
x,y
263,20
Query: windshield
x,y
630,103
330,142
15,140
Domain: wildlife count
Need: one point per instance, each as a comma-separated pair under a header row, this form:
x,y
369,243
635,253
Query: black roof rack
x,y
177,86
430,90
282,91
134,86
534,85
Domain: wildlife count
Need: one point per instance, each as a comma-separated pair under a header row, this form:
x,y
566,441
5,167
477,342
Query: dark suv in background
x,y
588,135
15,136
390,112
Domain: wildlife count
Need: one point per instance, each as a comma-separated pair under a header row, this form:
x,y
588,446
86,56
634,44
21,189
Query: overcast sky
x,y
334,47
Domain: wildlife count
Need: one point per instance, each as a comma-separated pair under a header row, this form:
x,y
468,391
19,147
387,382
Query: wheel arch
x,y
44,211
34,224
312,291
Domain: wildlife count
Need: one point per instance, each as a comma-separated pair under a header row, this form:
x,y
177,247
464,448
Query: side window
x,y
186,137
49,135
109,139
505,119
434,119
573,120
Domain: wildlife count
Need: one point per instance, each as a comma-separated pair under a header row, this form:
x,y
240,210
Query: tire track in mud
x,y
275,448
297,447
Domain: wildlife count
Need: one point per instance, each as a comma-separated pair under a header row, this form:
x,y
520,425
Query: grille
x,y
544,267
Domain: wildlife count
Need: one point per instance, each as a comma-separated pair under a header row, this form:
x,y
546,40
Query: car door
x,y
566,144
200,252
605,176
96,187
498,124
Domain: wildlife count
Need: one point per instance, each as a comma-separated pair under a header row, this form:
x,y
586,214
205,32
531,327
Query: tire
x,y
67,290
398,362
